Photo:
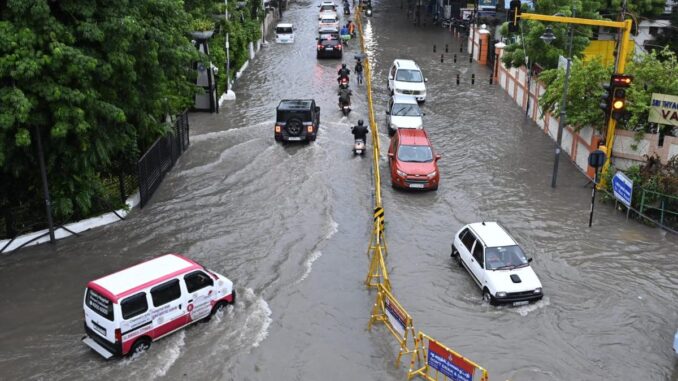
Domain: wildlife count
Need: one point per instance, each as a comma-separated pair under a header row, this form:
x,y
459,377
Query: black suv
x,y
297,120
329,43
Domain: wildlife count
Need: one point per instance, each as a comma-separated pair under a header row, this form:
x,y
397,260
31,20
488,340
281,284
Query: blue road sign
x,y
622,187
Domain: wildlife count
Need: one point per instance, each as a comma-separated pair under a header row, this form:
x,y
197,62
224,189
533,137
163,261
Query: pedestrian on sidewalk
x,y
358,69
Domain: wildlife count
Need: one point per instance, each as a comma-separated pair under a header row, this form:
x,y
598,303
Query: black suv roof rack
x,y
295,104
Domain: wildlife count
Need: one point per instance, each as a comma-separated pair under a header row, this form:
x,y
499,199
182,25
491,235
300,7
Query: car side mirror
x,y
317,38
438,157
423,114
317,108
387,112
390,154
529,260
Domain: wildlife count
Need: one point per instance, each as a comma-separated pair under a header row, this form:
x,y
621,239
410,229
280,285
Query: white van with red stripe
x,y
128,310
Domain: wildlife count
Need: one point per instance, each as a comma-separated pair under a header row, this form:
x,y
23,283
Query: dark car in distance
x,y
297,120
329,43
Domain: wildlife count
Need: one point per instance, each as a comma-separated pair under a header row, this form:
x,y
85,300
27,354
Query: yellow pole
x,y
624,47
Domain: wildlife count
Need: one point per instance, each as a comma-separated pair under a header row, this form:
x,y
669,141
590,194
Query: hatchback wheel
x,y
488,297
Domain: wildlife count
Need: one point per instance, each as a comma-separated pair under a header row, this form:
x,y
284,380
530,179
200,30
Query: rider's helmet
x,y
343,66
360,122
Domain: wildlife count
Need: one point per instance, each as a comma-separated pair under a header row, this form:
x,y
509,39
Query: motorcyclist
x,y
343,72
351,28
358,69
345,36
360,131
345,96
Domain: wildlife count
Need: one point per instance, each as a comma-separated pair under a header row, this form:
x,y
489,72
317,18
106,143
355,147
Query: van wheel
x,y
488,297
220,307
140,346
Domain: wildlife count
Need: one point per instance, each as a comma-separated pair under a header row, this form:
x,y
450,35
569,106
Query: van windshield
x,y
99,304
283,30
406,75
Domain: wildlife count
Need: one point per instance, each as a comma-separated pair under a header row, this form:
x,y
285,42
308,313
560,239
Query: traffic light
x,y
621,80
512,16
605,99
619,104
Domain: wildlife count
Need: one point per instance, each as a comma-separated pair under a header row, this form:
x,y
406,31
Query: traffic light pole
x,y
624,47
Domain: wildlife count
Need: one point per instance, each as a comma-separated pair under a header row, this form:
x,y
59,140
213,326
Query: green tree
x,y
656,72
584,92
95,79
638,7
528,42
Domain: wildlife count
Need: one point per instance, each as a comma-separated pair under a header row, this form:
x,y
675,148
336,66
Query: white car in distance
x,y
405,78
327,8
284,33
329,22
497,264
403,112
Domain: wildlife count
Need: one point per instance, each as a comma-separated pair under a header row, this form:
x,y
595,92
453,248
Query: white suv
x,y
405,78
496,263
403,112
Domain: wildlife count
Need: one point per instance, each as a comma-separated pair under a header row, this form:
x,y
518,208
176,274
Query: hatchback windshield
x,y
328,21
283,30
415,154
406,75
504,257
404,109
327,8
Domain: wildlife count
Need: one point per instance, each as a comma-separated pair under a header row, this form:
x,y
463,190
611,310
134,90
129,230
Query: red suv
x,y
414,164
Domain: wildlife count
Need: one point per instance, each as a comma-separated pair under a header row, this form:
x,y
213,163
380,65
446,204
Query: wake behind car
x,y
297,120
126,311
413,163
496,263
329,43
403,112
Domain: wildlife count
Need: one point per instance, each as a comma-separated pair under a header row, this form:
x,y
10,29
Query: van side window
x,y
166,292
467,238
133,306
197,280
478,253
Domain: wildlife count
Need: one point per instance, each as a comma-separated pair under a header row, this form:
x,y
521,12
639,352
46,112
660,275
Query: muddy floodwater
x,y
290,226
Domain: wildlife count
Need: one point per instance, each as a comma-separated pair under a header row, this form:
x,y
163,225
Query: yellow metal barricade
x,y
377,249
387,310
435,362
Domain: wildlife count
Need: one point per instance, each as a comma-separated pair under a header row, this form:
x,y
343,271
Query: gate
x,y
160,158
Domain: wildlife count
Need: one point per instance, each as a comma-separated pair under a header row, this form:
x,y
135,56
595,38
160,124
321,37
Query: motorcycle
x,y
345,108
368,11
347,10
343,82
359,147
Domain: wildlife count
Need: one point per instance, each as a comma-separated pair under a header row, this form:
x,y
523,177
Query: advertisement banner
x,y
664,109
449,364
487,4
396,316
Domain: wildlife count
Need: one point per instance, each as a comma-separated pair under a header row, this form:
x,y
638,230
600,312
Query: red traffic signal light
x,y
621,80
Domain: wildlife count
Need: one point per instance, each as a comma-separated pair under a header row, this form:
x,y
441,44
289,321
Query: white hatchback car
x,y
405,78
284,33
496,263
403,112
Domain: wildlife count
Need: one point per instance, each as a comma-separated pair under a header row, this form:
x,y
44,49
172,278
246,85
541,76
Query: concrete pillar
x,y
498,50
484,44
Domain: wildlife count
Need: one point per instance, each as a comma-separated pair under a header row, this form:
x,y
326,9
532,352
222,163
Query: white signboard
x,y
664,109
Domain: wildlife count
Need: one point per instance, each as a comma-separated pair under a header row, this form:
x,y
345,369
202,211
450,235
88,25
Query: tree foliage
x,y
528,42
584,91
96,79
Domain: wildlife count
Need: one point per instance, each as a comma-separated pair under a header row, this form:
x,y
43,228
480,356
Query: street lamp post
x,y
548,37
45,186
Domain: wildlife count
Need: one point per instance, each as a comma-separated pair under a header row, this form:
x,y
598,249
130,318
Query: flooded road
x,y
290,226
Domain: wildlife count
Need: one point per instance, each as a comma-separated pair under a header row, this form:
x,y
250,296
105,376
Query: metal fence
x,y
160,158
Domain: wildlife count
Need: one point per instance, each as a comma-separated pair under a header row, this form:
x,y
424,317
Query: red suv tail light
x,y
118,335
339,46
320,46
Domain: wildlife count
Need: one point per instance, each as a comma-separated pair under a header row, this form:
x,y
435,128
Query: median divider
x,y
430,359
